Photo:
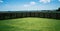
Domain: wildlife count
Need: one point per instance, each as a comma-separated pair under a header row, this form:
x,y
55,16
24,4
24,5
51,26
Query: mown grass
x,y
30,24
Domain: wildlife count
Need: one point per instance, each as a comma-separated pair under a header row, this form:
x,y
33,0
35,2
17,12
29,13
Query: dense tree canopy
x,y
58,9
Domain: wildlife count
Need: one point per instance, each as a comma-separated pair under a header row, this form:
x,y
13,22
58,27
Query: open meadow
x,y
30,24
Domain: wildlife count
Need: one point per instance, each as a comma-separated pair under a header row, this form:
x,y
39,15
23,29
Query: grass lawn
x,y
30,24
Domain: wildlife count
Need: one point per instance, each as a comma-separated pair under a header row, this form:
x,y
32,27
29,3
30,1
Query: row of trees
x,y
44,14
29,14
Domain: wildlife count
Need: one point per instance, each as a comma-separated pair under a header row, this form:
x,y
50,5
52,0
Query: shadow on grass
x,y
12,28
6,28
57,27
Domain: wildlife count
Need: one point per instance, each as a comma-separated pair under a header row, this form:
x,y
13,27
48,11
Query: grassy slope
x,y
30,24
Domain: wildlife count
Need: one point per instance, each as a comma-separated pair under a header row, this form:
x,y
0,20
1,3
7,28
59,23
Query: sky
x,y
23,5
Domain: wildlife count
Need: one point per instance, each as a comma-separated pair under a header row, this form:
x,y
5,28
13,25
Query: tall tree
x,y
58,9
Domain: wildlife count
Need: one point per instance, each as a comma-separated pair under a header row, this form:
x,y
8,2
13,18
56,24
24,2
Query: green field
x,y
30,24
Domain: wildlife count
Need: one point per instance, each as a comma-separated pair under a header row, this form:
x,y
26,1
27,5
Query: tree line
x,y
7,15
29,14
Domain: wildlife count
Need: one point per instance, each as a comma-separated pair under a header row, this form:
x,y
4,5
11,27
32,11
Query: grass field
x,y
30,24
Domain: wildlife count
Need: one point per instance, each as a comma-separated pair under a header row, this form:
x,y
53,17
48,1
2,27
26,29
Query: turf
x,y
30,24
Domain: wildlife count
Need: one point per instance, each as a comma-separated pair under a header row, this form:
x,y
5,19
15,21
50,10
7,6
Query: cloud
x,y
1,1
59,0
30,4
45,1
26,5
